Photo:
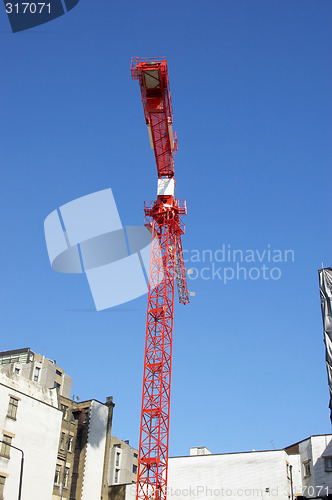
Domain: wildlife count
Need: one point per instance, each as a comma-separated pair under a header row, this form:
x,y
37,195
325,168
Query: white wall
x,y
232,475
95,452
320,481
249,475
36,430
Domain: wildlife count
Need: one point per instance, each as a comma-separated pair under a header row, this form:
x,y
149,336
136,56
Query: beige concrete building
x,y
37,368
123,462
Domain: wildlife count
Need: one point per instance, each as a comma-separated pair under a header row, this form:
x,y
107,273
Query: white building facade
x,y
302,469
29,420
95,452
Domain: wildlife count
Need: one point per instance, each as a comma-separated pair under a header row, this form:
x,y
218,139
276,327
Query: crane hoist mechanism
x,y
162,217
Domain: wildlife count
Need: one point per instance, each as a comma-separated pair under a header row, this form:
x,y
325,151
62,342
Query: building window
x,y
12,407
134,469
64,409
62,441
36,375
117,459
66,478
85,415
56,385
328,464
70,444
135,455
116,476
58,373
5,448
57,475
306,468
2,486
17,371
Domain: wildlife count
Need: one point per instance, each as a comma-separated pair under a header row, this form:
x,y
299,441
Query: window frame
x,y
64,409
70,443
66,477
326,468
36,374
11,406
116,476
58,469
85,415
305,465
5,446
62,441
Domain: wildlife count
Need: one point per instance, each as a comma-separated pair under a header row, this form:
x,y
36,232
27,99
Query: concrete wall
x,y
36,431
48,375
315,449
250,475
265,474
126,462
95,452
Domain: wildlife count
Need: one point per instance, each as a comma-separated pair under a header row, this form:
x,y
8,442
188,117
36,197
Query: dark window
x,y
134,469
86,415
306,467
116,476
58,373
117,460
135,455
56,385
12,407
328,464
62,441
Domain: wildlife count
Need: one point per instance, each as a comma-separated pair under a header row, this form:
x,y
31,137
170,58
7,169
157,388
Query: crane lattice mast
x,y
162,217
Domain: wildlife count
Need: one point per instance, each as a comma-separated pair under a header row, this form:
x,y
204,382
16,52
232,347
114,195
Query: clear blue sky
x,y
251,88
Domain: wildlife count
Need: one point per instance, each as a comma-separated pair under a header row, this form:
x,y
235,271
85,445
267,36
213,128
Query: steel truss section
x,y
152,472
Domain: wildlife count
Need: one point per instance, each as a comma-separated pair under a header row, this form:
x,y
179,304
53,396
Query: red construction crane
x,y
162,217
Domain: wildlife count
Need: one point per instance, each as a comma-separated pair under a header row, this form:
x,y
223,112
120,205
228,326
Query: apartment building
x,y
84,449
37,368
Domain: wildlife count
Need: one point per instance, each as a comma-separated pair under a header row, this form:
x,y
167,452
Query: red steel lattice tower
x,y
162,217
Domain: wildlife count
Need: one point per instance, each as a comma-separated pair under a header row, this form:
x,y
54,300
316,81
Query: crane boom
x,y
152,75
162,217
